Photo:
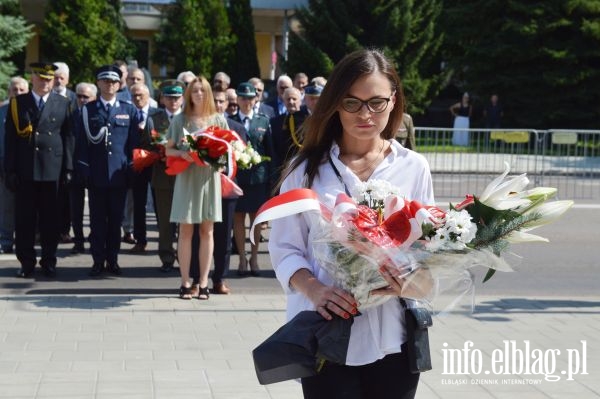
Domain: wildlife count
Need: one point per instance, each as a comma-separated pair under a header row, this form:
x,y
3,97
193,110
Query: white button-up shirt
x,y
379,331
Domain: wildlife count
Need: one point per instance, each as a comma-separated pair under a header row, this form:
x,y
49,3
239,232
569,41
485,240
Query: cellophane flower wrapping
x,y
432,250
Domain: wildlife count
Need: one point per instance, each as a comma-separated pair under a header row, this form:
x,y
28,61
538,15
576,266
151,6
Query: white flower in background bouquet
x,y
246,156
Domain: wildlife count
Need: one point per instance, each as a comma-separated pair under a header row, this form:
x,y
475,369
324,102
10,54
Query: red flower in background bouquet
x,y
222,149
143,159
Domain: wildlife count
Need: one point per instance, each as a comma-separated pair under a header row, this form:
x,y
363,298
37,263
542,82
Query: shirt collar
x,y
37,97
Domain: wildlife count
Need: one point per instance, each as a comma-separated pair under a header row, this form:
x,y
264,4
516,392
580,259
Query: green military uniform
x,y
161,183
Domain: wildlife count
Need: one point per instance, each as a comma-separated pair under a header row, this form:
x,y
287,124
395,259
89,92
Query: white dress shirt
x,y
379,331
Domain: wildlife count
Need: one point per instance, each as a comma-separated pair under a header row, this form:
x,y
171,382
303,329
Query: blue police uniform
x,y
105,159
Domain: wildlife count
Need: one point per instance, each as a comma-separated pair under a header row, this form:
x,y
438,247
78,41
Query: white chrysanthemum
x,y
238,146
256,158
245,158
359,190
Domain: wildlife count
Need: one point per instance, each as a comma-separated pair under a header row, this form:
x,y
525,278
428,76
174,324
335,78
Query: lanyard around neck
x,y
339,176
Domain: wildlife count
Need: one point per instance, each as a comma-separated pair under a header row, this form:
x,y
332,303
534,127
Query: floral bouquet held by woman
x,y
221,149
377,231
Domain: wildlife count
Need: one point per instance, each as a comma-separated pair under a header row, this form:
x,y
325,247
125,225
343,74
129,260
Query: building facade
x,y
273,19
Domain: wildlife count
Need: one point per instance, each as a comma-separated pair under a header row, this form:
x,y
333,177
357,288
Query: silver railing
x,y
566,159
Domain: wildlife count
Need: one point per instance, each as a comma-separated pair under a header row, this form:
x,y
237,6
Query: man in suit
x,y
260,107
85,92
17,86
140,96
38,155
286,138
61,82
110,132
277,103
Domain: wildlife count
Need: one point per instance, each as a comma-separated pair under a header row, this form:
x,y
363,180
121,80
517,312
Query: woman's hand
x,y
416,285
327,300
186,155
395,283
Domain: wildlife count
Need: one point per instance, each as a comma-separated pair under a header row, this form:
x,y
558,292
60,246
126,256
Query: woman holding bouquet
x,y
197,191
349,139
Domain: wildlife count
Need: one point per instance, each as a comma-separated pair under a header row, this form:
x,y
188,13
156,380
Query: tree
x,y
195,35
542,57
14,35
404,29
84,34
245,61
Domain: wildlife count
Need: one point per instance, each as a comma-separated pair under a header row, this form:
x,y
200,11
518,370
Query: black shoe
x,y
114,269
138,249
24,274
77,249
49,271
96,269
166,267
128,238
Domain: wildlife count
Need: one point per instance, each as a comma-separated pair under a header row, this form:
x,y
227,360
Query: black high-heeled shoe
x,y
203,294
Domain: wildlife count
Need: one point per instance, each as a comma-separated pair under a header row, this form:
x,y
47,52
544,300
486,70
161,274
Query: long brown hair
x,y
324,125
207,107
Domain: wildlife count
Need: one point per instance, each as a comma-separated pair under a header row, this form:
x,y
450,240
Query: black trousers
x,y
140,198
77,202
106,214
387,378
36,205
222,251
64,212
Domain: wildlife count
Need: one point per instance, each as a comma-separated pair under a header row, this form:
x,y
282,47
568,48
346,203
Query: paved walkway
x,y
68,346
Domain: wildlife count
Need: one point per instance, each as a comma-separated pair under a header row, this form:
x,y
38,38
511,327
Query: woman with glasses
x,y
349,139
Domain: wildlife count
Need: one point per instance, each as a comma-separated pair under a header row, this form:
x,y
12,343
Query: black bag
x,y
418,320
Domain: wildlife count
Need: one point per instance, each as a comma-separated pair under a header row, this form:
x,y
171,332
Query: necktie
x,y
140,115
41,104
108,108
247,123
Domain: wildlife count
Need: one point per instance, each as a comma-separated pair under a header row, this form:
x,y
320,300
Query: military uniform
x,y
105,160
256,181
162,185
38,153
284,146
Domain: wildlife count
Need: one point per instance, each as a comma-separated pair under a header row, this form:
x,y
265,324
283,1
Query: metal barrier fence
x,y
464,162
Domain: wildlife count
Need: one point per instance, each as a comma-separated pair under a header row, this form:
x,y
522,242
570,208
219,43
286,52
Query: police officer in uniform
x,y
110,132
38,152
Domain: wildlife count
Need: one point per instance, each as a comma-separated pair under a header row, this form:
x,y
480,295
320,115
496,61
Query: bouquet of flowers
x,y
220,148
430,249
378,227
143,159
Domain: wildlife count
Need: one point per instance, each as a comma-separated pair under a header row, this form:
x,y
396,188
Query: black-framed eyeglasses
x,y
82,96
375,105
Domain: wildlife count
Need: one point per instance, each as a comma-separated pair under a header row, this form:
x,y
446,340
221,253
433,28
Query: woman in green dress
x,y
197,192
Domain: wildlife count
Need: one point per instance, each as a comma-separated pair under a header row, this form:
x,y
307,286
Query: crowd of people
x,y
57,144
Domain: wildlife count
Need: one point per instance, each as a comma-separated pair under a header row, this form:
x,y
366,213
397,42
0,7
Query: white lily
x,y
549,211
500,194
518,236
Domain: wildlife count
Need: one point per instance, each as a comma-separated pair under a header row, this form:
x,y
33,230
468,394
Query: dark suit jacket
x,y
259,135
266,110
46,153
108,163
274,104
283,145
